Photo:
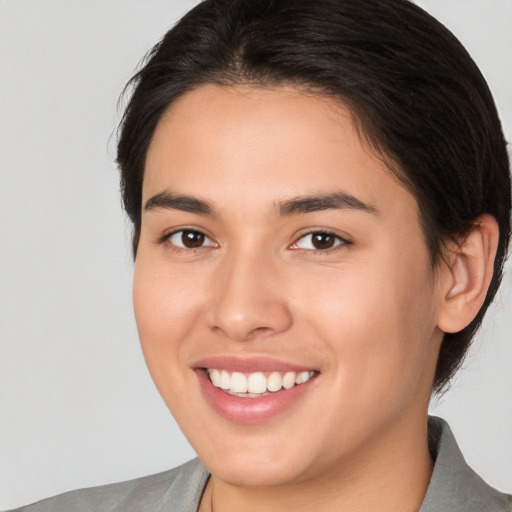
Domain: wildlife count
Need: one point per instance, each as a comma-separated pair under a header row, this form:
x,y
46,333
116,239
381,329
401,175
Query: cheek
x,y
166,307
376,324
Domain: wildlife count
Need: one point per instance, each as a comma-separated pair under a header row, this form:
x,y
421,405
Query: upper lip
x,y
250,364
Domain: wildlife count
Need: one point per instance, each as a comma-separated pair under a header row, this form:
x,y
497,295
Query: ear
x,y
467,275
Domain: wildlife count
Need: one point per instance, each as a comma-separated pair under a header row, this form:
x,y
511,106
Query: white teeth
x,y
238,383
302,377
215,378
289,380
256,384
274,381
225,380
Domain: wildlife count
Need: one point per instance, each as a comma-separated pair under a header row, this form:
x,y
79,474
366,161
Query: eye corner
x,y
187,239
320,241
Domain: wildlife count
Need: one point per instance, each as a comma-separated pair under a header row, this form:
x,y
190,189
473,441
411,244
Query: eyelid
x,y
341,241
166,239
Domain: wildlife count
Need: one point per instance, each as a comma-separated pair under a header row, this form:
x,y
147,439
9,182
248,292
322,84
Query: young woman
x,y
320,196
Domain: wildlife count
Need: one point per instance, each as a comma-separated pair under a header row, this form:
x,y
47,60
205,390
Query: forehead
x,y
250,145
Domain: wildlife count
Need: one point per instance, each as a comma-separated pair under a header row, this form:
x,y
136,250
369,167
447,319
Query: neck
x,y
391,475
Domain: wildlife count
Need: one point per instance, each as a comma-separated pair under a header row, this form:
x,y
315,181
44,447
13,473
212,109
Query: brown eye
x,y
323,240
190,239
319,241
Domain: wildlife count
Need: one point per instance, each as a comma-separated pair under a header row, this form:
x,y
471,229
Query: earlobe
x,y
468,273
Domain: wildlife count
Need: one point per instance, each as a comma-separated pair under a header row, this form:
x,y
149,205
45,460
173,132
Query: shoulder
x,y
454,485
182,487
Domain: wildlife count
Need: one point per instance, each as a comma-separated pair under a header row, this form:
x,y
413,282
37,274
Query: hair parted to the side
x,y
416,95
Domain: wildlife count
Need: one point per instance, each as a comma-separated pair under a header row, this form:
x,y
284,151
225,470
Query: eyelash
x,y
339,241
166,239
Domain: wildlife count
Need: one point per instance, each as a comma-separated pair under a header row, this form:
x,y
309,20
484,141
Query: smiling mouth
x,y
257,384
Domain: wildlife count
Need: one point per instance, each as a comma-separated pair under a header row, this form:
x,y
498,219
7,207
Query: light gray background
x,y
77,405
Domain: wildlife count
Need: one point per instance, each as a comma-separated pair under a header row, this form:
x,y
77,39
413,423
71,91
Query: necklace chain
x,y
211,498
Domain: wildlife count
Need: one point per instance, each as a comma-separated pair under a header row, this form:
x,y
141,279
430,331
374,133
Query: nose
x,y
248,299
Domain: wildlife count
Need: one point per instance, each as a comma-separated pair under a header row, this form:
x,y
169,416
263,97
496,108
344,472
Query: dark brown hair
x,y
416,95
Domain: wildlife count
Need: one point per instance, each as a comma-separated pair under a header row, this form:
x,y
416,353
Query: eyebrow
x,y
315,203
294,206
171,201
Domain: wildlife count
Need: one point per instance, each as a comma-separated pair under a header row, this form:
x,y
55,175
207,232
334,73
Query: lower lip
x,y
250,411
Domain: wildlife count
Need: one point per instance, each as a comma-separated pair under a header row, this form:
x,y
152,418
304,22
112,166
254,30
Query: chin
x,y
253,461
242,472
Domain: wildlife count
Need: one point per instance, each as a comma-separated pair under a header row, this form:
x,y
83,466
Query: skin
x,y
364,314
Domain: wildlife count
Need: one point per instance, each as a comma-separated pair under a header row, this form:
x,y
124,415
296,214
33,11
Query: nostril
x,y
239,333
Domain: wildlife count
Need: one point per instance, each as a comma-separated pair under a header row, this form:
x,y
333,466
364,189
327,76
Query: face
x,y
283,292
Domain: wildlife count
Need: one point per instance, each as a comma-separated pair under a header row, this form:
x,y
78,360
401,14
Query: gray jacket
x,y
454,487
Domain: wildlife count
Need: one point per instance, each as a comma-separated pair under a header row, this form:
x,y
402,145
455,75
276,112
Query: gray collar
x,y
454,486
